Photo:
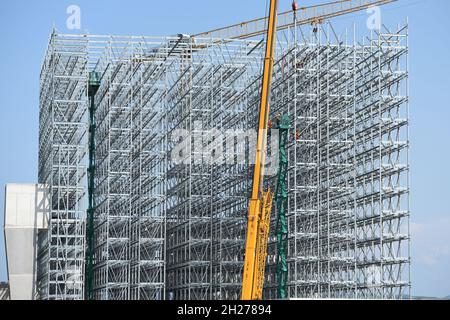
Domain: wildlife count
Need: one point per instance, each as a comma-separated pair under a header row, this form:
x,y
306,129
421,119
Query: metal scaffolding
x,y
62,167
348,178
163,226
207,188
172,172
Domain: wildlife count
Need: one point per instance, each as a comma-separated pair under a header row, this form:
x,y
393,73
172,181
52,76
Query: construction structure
x,y
173,176
62,167
4,291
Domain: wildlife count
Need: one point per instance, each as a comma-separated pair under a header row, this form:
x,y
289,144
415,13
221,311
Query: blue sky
x,y
25,27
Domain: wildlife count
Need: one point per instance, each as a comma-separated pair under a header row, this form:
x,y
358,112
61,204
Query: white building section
x,y
25,214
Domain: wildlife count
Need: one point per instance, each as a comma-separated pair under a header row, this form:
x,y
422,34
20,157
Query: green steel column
x,y
281,199
93,85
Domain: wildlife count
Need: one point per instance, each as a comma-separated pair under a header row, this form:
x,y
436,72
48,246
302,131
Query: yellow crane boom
x,y
261,202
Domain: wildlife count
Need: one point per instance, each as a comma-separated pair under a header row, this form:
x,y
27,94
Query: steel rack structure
x,y
62,167
174,120
348,179
131,162
206,186
156,230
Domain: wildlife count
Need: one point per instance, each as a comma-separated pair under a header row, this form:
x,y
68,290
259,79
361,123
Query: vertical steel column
x,y
93,86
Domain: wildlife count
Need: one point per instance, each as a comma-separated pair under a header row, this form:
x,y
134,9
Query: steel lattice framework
x,y
171,196
62,166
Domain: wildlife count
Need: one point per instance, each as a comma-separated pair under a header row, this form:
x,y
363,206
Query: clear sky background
x,y
26,25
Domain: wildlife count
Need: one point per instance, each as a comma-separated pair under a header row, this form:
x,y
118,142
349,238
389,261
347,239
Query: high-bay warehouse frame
x,y
167,228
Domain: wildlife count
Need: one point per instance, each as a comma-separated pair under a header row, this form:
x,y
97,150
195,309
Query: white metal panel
x,y
26,208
